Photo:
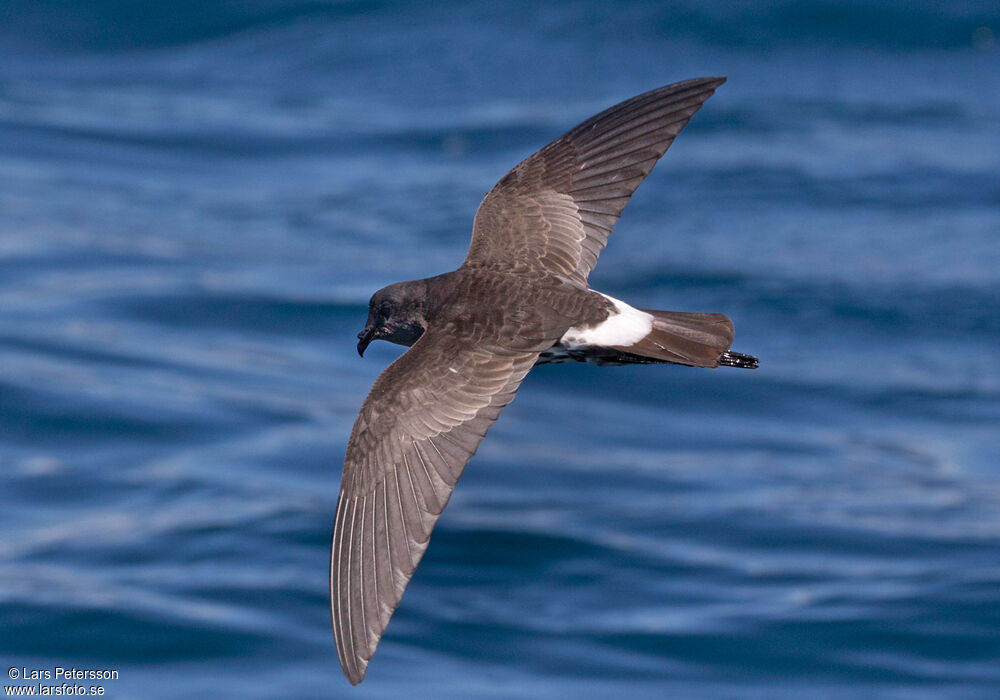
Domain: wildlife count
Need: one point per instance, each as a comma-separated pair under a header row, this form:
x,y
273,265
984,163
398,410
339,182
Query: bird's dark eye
x,y
385,308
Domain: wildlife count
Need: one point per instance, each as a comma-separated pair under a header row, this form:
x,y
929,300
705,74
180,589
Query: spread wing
x,y
555,210
422,421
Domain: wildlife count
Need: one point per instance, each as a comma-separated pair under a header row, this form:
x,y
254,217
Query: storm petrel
x,y
519,299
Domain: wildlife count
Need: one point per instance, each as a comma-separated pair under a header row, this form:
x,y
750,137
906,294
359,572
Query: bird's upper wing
x,y
555,210
422,421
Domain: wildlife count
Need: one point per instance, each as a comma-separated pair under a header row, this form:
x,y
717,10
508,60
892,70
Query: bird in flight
x,y
519,299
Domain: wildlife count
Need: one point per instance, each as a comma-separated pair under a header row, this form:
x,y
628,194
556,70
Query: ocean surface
x,y
198,198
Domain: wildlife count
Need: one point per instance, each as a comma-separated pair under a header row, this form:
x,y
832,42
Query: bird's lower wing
x,y
422,421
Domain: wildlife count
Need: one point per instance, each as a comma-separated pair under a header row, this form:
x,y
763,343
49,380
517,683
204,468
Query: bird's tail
x,y
695,339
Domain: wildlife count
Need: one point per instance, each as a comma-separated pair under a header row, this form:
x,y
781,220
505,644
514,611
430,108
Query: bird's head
x,y
395,313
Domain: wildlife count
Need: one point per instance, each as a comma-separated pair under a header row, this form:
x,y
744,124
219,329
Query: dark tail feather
x,y
695,339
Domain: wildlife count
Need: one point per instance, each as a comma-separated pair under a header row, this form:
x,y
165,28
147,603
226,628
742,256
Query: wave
x,y
116,25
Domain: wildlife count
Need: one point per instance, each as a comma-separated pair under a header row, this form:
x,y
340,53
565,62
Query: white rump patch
x,y
624,327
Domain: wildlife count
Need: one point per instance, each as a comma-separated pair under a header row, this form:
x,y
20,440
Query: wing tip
x,y
352,664
716,81
358,674
707,86
713,80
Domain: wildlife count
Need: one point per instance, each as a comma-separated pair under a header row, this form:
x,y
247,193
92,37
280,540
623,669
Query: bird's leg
x,y
738,359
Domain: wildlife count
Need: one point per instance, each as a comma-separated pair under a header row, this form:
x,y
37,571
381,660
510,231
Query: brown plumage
x,y
519,299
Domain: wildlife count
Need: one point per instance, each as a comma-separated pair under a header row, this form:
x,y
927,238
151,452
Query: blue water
x,y
198,198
